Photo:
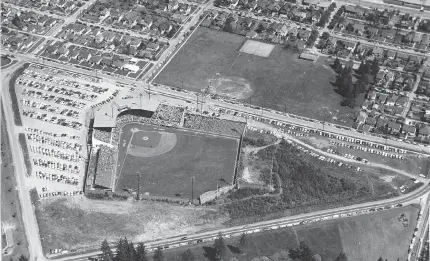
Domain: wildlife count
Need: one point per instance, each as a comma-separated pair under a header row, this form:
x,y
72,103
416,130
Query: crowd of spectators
x,y
54,142
57,177
55,153
214,125
92,165
168,113
106,159
102,134
56,165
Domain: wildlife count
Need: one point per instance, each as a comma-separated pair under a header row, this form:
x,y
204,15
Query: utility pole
x,y
138,187
192,189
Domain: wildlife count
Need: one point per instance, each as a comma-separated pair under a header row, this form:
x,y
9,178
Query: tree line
x,y
220,251
344,81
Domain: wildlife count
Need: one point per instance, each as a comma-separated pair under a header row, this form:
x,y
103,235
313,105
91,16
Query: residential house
x,y
391,54
417,38
361,118
391,101
371,121
358,28
409,130
394,128
378,51
402,57
424,131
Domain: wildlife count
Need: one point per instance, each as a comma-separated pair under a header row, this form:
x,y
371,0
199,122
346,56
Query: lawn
x,y
168,158
82,224
5,61
280,81
362,238
10,208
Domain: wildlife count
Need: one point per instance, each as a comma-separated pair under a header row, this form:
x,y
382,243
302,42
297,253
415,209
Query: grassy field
x,y
207,158
10,205
362,238
281,81
82,224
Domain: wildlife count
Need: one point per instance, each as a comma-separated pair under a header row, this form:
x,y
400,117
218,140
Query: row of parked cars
x,y
57,177
60,193
56,71
52,119
53,98
55,153
54,142
56,89
50,108
53,134
56,165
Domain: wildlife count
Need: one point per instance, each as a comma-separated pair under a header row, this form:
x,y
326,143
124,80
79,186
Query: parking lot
x,y
53,103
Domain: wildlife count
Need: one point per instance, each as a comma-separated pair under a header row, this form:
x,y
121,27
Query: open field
x,y
81,223
5,61
10,206
362,238
167,159
280,81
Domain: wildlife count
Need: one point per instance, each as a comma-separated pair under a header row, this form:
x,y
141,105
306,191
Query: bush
x,y
14,100
23,144
99,194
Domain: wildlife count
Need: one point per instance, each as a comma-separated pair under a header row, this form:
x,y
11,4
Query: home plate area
x,y
151,143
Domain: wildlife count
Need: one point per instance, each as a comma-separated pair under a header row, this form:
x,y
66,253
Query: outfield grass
x,y
280,81
362,238
207,158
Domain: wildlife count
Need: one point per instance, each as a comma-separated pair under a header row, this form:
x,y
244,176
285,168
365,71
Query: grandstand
x,y
214,125
91,171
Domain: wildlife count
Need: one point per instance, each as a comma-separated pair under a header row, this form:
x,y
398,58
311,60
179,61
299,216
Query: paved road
x,y
30,223
422,226
405,199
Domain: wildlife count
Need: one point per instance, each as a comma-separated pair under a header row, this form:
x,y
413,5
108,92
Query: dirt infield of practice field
x,y
257,48
167,158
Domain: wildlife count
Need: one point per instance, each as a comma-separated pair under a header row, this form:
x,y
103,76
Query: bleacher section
x,y
105,165
214,125
91,172
102,134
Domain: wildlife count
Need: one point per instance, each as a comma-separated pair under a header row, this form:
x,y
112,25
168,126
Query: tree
x,y
220,248
22,258
302,253
121,250
141,252
158,255
336,65
107,254
131,252
380,259
188,255
374,68
341,257
243,242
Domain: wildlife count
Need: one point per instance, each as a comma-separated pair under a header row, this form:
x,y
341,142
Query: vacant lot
x,y
81,223
10,207
167,159
280,81
362,238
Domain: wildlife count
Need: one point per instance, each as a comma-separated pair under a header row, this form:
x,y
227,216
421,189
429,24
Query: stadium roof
x,y
105,116
418,2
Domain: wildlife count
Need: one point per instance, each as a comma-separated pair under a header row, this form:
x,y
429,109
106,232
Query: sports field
x,y
166,159
280,81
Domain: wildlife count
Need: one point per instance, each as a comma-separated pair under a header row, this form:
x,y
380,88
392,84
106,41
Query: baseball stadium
x,y
162,151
